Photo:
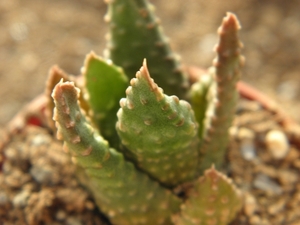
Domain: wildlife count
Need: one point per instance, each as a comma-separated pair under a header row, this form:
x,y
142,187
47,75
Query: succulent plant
x,y
148,144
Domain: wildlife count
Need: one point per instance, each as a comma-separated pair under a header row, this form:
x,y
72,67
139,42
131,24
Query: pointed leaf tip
x,y
55,75
144,72
54,70
145,62
87,60
230,20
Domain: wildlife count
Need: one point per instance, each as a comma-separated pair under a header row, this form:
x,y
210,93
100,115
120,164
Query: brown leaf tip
x,y
229,44
212,174
55,76
55,73
62,87
231,21
144,74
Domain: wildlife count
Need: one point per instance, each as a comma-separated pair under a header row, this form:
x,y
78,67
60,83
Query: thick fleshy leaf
x,y
213,200
124,194
159,131
55,75
203,99
105,84
227,68
135,33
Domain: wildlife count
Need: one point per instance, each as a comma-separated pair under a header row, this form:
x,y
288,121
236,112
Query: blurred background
x,y
36,34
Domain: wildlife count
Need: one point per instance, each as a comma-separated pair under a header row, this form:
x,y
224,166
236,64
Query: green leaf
x,y
124,194
135,33
203,99
105,85
227,69
213,200
159,131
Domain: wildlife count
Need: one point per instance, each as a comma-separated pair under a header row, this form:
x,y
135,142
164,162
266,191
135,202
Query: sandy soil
x,y
35,34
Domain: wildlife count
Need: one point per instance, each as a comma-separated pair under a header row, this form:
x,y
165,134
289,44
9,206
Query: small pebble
x,y
42,174
11,153
265,183
20,200
61,215
247,147
277,144
233,131
245,133
248,150
250,204
40,140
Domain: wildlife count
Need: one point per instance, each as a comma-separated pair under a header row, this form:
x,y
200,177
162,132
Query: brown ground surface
x,y
35,34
